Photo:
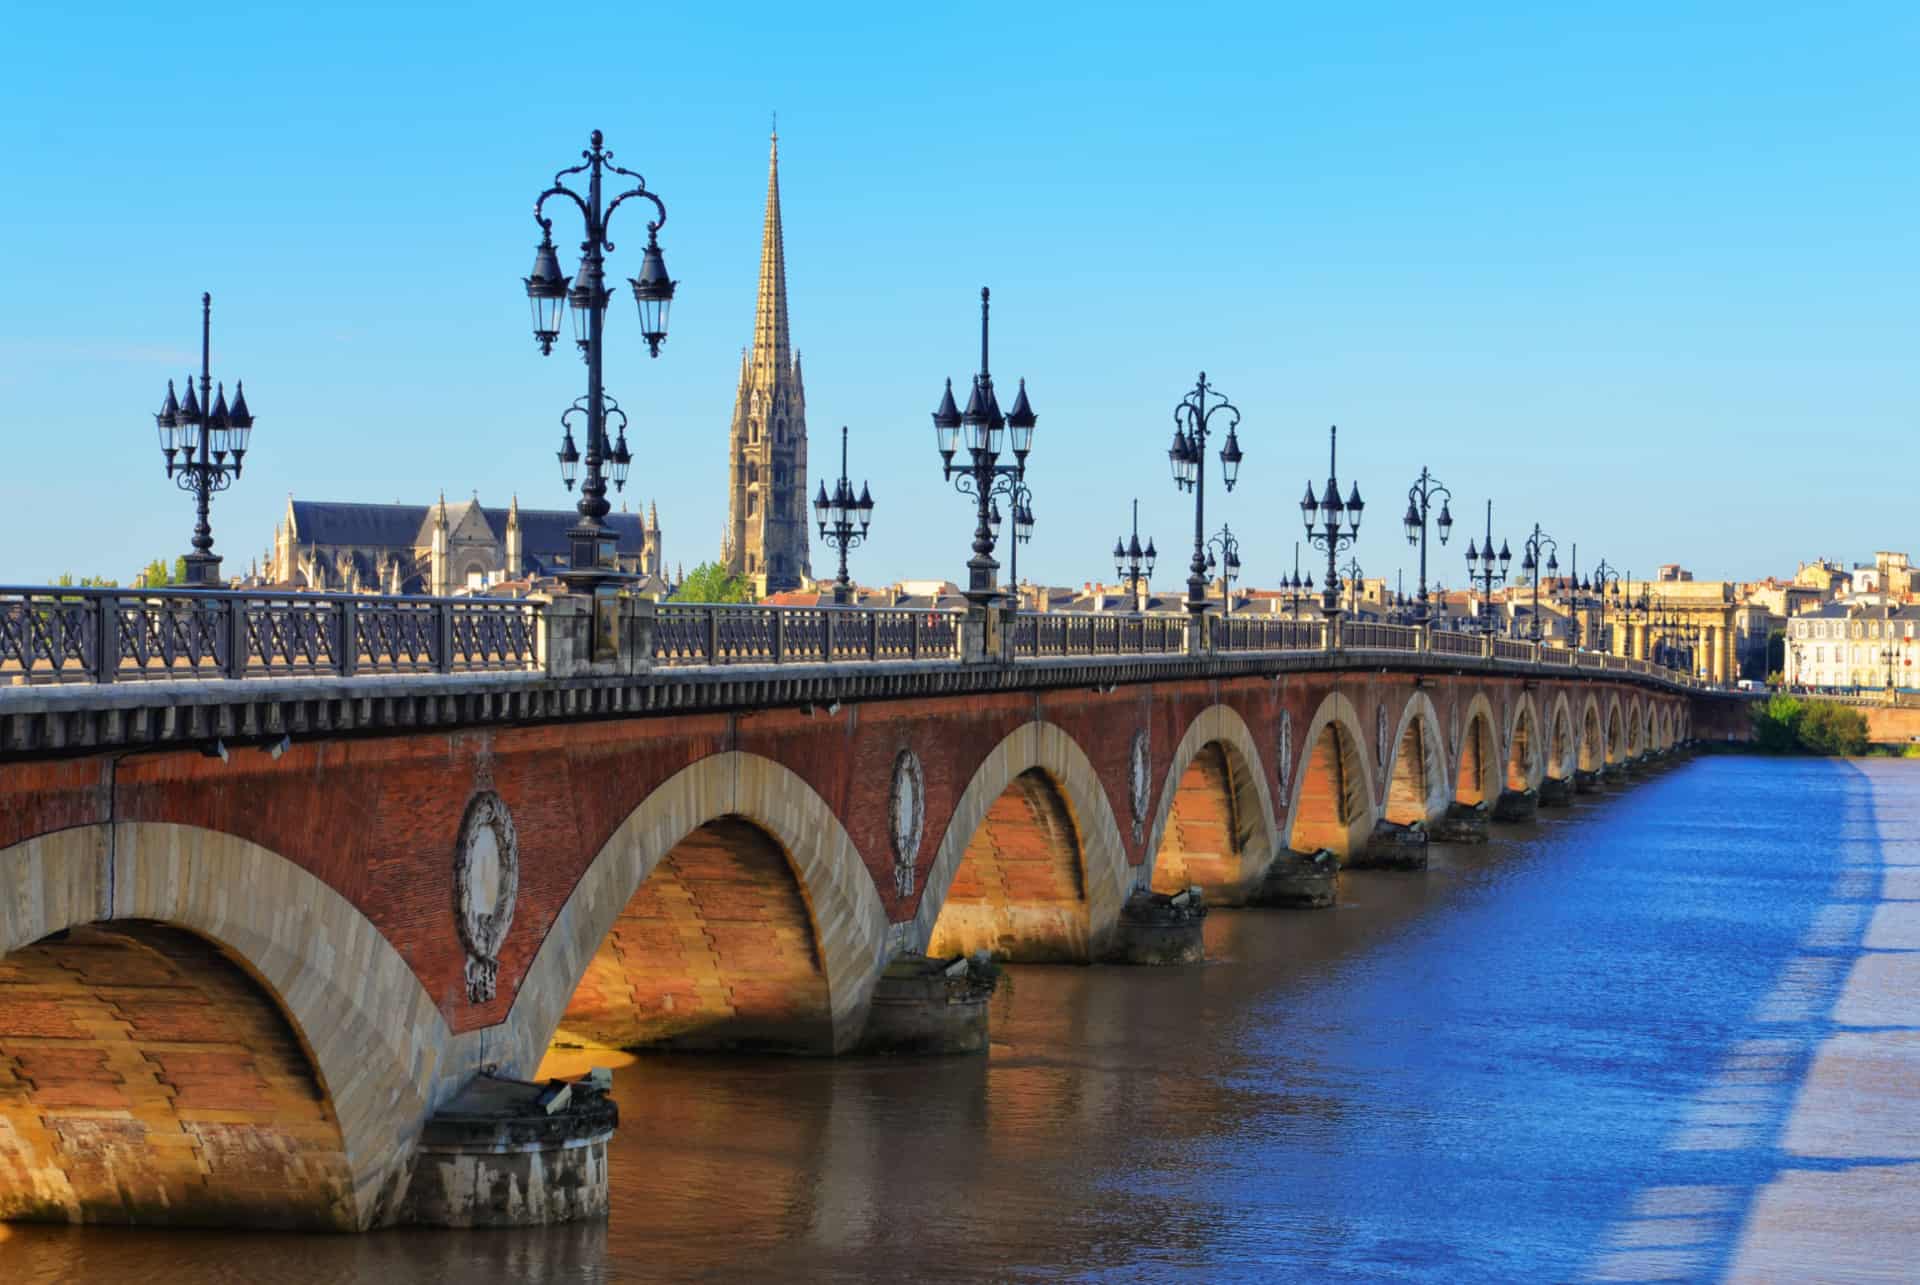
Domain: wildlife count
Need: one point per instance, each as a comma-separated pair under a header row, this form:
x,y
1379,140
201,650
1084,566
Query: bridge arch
x,y
1333,793
1593,737
1616,730
1562,746
1636,728
1417,785
1666,727
1214,821
690,943
375,1044
1525,759
1038,788
1477,775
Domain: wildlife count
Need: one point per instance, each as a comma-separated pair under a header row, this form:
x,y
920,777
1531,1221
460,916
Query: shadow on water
x,y
1461,1074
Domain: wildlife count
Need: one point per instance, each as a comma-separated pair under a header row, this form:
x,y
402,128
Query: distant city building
x,y
767,503
442,548
1845,647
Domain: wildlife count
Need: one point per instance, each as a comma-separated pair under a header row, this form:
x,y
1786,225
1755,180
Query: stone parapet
x,y
84,718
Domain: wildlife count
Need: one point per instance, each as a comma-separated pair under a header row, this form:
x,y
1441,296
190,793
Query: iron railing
x,y
702,634
73,635
1063,633
1267,633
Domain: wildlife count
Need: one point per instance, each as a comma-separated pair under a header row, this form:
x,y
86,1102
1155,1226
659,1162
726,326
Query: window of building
x,y
753,472
753,430
753,503
780,430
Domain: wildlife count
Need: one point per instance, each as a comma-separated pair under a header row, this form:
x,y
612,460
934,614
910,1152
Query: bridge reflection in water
x,y
1495,1069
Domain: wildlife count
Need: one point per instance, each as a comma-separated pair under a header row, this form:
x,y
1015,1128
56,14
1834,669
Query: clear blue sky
x,y
1643,272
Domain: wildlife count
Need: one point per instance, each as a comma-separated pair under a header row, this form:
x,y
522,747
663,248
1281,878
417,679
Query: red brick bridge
x,y
275,887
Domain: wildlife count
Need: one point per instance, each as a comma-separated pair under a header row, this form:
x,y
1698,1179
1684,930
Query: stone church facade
x,y
767,515
442,548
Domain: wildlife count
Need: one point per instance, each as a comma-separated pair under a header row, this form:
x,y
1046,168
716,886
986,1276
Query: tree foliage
x,y
66,581
709,582
1789,725
157,574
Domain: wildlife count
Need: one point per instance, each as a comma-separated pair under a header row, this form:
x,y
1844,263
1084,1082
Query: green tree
x,y
709,582
1834,729
157,574
1776,724
66,581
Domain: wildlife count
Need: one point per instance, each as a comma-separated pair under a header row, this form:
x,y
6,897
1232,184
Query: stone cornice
x,y
37,722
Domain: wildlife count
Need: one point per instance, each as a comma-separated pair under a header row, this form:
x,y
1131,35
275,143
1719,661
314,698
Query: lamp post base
x,y
203,571
591,558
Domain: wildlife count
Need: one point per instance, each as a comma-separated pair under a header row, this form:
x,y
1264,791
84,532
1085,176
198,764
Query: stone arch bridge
x,y
261,920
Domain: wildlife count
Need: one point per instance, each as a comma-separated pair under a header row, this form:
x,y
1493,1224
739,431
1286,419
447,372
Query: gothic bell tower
x,y
767,446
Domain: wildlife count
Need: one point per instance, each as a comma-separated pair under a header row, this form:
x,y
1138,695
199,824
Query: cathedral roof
x,y
543,532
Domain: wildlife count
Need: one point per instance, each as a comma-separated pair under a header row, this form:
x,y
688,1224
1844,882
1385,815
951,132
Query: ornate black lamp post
x,y
204,441
1425,489
1192,423
983,476
1350,578
1020,499
1331,514
1530,562
843,521
1605,585
1229,564
591,542
1632,608
1133,565
1480,569
1295,586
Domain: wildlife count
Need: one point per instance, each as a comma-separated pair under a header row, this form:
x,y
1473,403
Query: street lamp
x,y
204,441
1480,567
1330,512
1133,565
1530,562
1295,586
843,521
591,543
1229,550
983,476
1192,423
1420,498
1350,578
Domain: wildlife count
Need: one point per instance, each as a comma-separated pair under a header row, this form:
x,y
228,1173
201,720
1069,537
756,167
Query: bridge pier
x,y
1556,792
1157,928
1586,782
1392,846
925,1006
1297,880
1462,823
1516,805
507,1153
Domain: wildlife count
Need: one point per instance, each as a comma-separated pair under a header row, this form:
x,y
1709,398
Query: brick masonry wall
x,y
715,951
144,1077
1200,845
377,818
1019,893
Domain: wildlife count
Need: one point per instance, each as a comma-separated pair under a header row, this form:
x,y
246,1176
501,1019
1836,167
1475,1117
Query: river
x,y
1659,1035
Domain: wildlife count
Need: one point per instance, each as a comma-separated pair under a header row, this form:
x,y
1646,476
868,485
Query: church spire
x,y
770,317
